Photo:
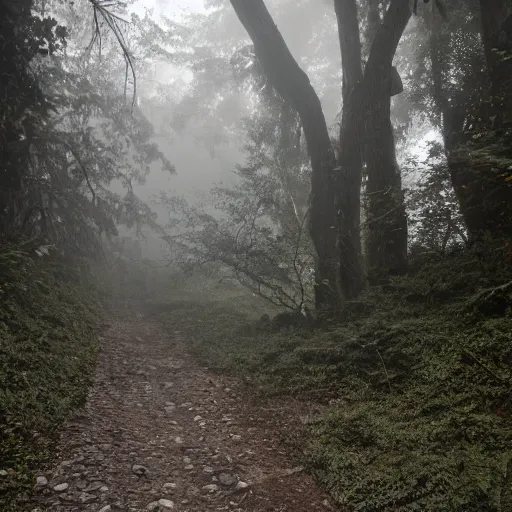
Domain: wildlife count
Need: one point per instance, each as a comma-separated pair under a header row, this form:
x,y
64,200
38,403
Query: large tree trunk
x,y
484,197
386,240
348,176
386,247
496,18
293,85
453,115
494,172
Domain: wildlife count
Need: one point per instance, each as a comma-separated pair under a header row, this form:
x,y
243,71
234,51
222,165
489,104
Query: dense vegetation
x,y
66,134
415,382
369,214
48,321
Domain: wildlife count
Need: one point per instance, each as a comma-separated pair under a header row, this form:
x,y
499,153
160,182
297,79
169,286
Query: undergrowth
x,y
417,376
47,353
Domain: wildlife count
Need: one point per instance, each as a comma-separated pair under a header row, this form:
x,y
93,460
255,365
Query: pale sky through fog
x,y
167,7
198,170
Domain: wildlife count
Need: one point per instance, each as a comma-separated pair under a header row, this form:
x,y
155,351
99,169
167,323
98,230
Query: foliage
x,y
459,53
275,264
23,107
415,385
449,82
257,228
80,142
434,218
48,328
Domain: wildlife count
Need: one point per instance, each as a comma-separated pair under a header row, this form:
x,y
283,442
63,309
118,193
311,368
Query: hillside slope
x,y
48,324
416,379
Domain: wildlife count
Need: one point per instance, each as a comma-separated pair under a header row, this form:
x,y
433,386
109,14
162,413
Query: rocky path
x,y
159,433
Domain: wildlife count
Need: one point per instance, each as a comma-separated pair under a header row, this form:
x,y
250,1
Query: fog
x,y
198,167
207,143
240,272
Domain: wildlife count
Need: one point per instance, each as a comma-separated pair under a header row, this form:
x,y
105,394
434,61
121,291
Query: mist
x,y
255,255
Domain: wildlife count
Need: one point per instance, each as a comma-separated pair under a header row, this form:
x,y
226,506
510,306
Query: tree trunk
x,y
386,240
373,20
453,117
348,177
293,85
483,196
494,174
496,19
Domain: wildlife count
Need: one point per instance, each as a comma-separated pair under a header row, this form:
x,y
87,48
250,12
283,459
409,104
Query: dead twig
x,y
385,369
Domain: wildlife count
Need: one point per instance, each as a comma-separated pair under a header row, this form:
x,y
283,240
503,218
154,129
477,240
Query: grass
x,y
417,374
47,354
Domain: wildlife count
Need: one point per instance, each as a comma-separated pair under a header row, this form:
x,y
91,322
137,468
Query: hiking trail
x,y
159,432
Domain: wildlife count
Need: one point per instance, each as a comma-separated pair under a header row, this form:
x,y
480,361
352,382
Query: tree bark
x,y
373,19
386,240
496,19
484,198
292,83
453,114
348,176
366,98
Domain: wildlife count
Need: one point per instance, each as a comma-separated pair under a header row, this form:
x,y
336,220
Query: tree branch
x,y
293,85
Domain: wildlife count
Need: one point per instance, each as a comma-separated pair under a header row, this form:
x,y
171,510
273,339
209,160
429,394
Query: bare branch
x,y
112,19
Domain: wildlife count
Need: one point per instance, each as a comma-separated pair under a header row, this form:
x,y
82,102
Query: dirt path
x,y
159,433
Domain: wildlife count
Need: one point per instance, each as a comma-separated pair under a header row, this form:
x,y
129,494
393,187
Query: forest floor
x,y
161,432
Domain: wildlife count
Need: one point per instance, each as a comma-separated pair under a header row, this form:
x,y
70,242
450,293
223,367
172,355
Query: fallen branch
x,y
385,370
489,293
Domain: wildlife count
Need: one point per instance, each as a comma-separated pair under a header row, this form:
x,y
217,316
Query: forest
x,y
256,255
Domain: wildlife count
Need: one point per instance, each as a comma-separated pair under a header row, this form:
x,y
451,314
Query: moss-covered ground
x,y
416,376
48,324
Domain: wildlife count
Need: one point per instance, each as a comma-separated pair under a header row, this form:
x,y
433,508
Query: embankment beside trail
x,y
47,353
416,377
